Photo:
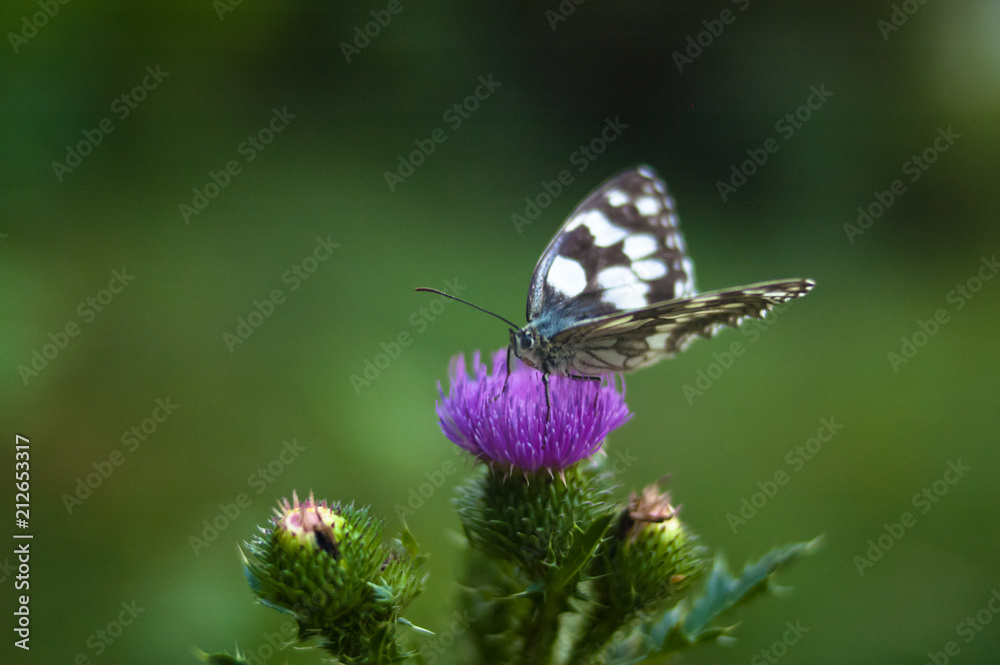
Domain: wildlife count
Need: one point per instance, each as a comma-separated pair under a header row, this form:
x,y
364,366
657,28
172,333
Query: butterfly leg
x,y
506,378
548,398
581,377
595,379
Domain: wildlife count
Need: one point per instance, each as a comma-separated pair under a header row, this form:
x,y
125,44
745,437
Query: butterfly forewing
x,y
621,249
629,340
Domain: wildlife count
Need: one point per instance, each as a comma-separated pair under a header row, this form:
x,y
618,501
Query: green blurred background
x,y
322,176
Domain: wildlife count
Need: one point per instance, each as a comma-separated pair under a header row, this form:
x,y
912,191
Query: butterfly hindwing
x,y
629,340
621,249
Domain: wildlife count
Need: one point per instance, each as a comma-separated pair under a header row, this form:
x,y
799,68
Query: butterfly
x,y
614,290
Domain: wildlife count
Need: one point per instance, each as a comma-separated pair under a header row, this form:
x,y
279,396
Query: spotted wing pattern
x,y
614,290
621,249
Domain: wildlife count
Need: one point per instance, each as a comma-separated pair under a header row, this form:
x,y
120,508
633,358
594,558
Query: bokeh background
x,y
225,68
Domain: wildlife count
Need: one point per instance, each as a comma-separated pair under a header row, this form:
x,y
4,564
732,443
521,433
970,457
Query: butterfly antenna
x,y
448,295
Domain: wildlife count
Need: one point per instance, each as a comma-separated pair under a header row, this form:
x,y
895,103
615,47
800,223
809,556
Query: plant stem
x,y
595,634
540,638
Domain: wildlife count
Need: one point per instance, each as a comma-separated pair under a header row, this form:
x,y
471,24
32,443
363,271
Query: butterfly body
x,y
614,291
535,348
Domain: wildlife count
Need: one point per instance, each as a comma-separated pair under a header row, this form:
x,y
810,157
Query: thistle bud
x,y
536,521
326,566
653,557
648,559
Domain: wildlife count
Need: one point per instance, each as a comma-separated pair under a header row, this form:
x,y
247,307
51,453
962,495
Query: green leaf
x,y
722,592
409,541
415,627
689,623
580,553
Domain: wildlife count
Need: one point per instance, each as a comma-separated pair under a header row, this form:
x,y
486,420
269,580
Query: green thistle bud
x,y
326,566
652,557
533,536
309,525
537,521
648,559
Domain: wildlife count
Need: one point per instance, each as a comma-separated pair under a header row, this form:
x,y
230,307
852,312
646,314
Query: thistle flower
x,y
512,426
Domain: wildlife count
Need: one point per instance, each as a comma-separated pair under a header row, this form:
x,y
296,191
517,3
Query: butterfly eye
x,y
523,340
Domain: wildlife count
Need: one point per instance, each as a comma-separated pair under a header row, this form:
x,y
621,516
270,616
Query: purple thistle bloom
x,y
510,428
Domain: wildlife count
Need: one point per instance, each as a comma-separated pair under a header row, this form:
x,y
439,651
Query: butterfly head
x,y
523,341
534,349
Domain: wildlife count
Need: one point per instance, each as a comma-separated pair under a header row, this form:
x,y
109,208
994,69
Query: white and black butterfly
x,y
614,290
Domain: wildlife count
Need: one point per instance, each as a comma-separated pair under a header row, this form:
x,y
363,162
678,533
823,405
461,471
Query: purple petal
x,y
512,427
